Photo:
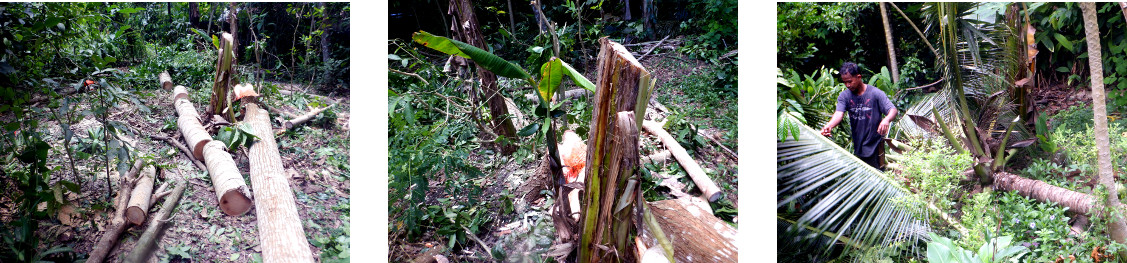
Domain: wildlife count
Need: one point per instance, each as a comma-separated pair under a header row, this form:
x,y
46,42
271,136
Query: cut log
x,y
304,118
138,208
279,227
657,158
146,244
1075,201
165,80
118,224
696,236
568,95
181,92
230,188
194,134
706,185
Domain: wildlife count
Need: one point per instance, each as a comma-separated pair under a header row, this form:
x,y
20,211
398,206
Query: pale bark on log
x,y
138,208
165,80
146,244
279,225
567,95
696,236
657,158
118,224
706,185
230,188
304,118
194,135
1075,201
181,92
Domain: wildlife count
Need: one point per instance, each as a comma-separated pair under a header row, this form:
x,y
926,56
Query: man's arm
x,y
886,122
833,123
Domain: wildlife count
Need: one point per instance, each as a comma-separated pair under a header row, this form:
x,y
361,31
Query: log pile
x,y
231,190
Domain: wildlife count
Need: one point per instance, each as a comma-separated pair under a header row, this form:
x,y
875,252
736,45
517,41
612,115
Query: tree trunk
x,y
233,22
146,244
194,14
471,34
1116,226
891,46
694,234
612,156
230,188
706,185
279,226
325,30
118,224
189,123
225,79
138,208
1075,201
165,80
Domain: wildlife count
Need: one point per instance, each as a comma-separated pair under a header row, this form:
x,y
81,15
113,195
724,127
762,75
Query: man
x,y
870,114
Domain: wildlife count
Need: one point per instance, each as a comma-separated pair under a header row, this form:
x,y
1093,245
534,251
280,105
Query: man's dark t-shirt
x,y
865,114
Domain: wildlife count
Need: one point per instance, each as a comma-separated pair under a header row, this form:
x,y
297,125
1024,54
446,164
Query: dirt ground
x,y
198,230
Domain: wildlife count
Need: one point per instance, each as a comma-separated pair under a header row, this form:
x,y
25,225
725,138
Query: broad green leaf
x,y
483,58
215,41
551,73
578,78
393,57
1064,42
442,44
529,129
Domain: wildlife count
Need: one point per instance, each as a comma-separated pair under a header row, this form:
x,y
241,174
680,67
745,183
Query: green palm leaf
x,y
483,58
839,193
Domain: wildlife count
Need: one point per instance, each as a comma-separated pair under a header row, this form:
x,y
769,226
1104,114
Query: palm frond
x,y
838,193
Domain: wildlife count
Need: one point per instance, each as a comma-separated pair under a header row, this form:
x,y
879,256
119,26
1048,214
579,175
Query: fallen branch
x,y
304,118
657,158
730,153
568,95
410,74
230,189
182,148
109,238
146,244
706,185
652,48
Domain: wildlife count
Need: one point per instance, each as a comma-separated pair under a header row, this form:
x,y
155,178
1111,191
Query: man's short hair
x,y
850,68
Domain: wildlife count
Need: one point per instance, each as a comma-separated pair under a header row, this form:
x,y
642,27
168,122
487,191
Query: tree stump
x,y
612,156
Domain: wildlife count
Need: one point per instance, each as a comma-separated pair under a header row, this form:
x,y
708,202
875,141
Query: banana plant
x,y
551,75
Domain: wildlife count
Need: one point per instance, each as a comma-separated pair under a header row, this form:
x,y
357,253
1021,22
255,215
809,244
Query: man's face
x,y
853,82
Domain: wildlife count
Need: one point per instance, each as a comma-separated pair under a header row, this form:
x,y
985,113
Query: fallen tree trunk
x,y
138,208
146,244
657,158
165,80
279,226
230,189
706,185
189,123
694,234
1075,201
118,223
304,118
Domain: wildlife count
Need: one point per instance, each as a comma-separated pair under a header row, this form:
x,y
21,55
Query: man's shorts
x,y
877,159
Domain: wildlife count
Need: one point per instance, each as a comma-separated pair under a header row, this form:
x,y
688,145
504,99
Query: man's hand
x,y
883,128
826,131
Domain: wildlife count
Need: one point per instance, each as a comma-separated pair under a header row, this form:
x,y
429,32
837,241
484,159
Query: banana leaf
x,y
483,58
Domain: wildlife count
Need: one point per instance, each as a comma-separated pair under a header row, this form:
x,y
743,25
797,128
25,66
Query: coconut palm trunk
x,y
1116,227
891,47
